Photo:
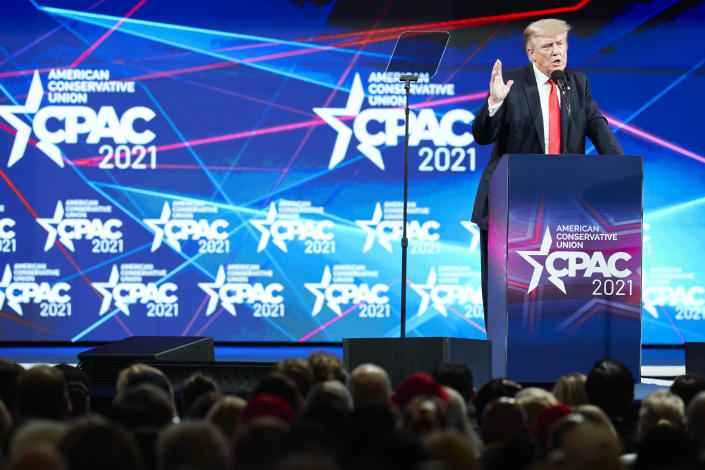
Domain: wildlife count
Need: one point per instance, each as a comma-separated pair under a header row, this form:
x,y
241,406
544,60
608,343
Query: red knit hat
x,y
548,418
265,404
419,384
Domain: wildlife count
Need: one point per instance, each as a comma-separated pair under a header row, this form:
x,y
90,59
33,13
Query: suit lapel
x,y
565,119
532,96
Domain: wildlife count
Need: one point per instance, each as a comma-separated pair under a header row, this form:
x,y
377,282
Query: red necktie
x,y
554,121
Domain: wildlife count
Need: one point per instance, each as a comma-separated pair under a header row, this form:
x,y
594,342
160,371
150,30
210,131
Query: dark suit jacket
x,y
517,127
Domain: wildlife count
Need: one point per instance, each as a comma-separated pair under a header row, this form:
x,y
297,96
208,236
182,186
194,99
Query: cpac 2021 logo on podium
x,y
565,264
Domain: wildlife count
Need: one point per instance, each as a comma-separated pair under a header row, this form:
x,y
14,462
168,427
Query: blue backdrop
x,y
234,169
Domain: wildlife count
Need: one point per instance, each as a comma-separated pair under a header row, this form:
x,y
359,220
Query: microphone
x,y
559,78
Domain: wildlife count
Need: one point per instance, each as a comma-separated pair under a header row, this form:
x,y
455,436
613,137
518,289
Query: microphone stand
x,y
404,240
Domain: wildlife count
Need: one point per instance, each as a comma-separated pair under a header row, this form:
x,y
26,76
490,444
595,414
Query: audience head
x,y
34,434
570,389
299,371
661,408
545,420
145,374
458,376
326,366
9,373
267,405
533,401
276,383
195,445
143,405
92,443
503,422
226,414
454,450
687,386
495,388
42,393
193,387
666,447
594,414
585,446
369,386
260,442
418,384
696,420
610,385
200,408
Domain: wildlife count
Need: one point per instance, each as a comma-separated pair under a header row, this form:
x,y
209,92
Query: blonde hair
x,y
548,27
570,389
661,408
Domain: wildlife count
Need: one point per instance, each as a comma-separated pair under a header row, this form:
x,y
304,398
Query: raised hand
x,y
498,89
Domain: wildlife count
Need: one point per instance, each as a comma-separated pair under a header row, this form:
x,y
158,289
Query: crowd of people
x,y
313,414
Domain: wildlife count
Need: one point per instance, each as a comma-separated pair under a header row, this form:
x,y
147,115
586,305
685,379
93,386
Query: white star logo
x,y
538,268
24,130
369,227
424,291
314,288
4,284
474,234
263,227
156,226
48,225
106,290
352,108
213,290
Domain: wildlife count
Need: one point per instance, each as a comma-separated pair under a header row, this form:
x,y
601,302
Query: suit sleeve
x,y
485,129
597,130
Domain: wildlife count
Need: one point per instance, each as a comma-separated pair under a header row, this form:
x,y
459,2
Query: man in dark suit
x,y
527,114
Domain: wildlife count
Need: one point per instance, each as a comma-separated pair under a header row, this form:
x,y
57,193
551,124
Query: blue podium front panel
x,y
573,263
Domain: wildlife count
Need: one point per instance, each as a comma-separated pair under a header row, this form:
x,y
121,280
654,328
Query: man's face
x,y
549,53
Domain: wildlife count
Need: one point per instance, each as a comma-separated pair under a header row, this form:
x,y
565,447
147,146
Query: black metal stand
x,y
404,240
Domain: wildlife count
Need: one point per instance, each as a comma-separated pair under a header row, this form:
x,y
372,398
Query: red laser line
x,y
106,34
25,323
455,24
193,319
635,131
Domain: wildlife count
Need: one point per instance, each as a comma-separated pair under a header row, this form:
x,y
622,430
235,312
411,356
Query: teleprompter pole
x,y
404,240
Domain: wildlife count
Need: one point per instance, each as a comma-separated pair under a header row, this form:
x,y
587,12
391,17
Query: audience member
x,y
143,405
532,401
9,373
299,371
570,389
226,414
661,408
495,388
586,446
193,387
369,386
195,445
276,383
695,419
687,386
610,385
42,393
94,443
326,366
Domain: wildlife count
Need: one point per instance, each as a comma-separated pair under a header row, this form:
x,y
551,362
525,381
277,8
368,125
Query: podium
x,y
564,264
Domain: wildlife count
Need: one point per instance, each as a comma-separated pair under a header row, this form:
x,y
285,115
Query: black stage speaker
x,y
403,357
102,364
695,358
